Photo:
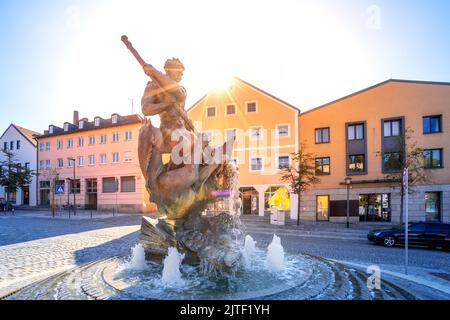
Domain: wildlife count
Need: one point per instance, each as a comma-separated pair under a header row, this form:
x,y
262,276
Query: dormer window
x,y
97,122
66,127
81,124
115,118
50,129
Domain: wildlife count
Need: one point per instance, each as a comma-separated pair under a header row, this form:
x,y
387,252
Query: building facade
x,y
266,130
358,136
20,141
93,164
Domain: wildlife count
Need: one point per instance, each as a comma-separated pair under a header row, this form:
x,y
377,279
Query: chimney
x,y
75,118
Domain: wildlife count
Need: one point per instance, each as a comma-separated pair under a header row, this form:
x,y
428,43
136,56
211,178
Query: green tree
x,y
13,175
302,175
408,156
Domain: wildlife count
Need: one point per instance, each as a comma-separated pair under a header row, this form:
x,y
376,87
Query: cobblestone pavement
x,y
32,248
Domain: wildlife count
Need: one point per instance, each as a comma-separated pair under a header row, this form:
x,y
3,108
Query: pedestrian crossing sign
x,y
60,189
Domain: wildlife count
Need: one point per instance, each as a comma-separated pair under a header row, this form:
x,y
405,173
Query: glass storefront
x,y
433,206
375,207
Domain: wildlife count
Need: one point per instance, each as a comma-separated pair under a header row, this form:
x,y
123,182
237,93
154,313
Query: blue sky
x,y
57,56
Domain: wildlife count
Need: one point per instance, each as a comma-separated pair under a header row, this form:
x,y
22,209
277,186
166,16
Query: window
x,y
115,157
356,163
91,185
128,135
80,141
74,186
114,118
283,130
91,160
60,163
230,134
91,140
323,208
66,127
355,132
103,139
70,143
41,164
103,159
211,112
18,145
48,164
251,107
44,184
433,158
392,128
81,124
323,166
256,133
432,124
50,129
80,161
97,122
128,156
70,163
433,206
392,161
11,145
60,144
231,109
128,184
27,166
41,146
47,146
109,185
283,162
256,164
322,135
115,136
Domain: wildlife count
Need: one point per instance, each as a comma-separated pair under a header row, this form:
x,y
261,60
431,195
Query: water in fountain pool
x,y
171,274
137,260
275,255
249,250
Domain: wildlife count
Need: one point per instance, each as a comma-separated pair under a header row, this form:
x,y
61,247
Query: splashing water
x,y
171,274
275,255
249,250
137,261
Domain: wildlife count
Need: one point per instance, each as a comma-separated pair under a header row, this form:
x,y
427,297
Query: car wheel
x,y
389,241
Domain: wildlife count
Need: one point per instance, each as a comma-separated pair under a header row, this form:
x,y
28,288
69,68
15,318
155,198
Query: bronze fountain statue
x,y
185,186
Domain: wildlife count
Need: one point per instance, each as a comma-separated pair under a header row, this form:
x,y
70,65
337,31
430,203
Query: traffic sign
x,y
59,189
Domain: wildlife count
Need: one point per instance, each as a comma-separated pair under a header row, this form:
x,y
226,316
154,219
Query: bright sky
x,y
61,55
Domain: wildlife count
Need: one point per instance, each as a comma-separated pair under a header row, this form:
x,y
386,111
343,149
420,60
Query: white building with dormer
x,y
20,141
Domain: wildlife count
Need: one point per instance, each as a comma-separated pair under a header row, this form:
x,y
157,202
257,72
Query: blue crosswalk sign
x,y
60,189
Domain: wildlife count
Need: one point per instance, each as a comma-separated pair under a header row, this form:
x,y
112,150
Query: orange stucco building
x,y
266,130
349,137
95,160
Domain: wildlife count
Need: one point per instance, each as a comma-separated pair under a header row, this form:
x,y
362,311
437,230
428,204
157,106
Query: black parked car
x,y
431,234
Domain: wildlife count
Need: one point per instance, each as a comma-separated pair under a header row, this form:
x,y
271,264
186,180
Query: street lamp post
x,y
348,182
73,188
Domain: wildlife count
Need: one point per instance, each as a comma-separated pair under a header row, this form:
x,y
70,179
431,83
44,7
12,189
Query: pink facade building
x,y
93,165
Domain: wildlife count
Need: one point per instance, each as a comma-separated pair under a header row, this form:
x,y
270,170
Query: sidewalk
x,y
64,215
325,230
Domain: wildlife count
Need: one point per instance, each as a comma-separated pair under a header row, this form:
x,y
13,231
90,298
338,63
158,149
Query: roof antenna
x,y
132,105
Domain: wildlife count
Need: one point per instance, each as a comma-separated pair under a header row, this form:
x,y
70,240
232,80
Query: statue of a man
x,y
167,98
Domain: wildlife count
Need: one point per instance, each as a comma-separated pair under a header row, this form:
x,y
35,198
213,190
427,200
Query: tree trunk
x,y
298,210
